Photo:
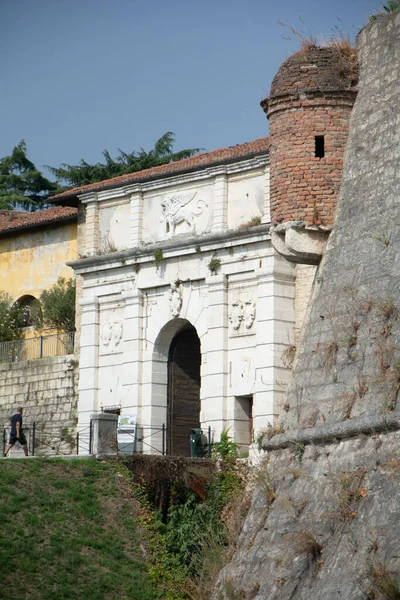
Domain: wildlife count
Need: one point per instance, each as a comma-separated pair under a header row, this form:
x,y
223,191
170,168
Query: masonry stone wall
x,y
348,366
47,390
325,519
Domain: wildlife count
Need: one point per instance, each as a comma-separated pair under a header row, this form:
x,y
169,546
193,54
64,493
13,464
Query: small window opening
x,y
319,146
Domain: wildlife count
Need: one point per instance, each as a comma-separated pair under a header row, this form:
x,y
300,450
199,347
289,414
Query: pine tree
x,y
21,184
85,173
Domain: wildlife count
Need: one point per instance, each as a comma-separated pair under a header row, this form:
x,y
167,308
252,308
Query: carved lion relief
x,y
175,210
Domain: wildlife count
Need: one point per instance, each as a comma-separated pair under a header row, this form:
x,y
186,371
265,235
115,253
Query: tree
x,y
85,173
21,184
11,319
58,305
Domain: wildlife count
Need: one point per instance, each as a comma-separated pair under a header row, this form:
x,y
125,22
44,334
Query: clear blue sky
x,y
79,76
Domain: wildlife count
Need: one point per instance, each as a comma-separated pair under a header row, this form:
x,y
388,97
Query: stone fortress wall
x,y
47,390
325,518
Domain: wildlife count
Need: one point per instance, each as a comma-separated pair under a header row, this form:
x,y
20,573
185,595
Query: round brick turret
x,y
309,108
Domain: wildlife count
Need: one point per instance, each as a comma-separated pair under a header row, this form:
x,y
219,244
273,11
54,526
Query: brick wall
x,y
304,187
312,95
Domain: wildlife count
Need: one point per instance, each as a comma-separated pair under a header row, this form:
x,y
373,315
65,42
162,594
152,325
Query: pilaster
x,y
220,220
215,368
136,217
275,326
91,228
89,360
132,365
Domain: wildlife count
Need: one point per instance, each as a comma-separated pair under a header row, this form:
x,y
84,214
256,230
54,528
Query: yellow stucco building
x,y
34,249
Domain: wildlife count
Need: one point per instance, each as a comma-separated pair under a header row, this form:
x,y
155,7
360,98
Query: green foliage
x,y
194,526
188,526
391,6
223,488
69,532
214,265
58,305
21,184
85,173
11,319
187,547
299,452
225,449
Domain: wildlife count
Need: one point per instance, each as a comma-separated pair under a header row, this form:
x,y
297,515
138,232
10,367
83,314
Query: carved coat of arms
x,y
242,311
175,299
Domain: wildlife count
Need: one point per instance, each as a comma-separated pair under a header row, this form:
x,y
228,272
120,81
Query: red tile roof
x,y
206,159
14,220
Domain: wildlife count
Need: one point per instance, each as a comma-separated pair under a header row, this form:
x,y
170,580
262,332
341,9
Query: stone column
x,y
220,212
215,369
132,366
88,362
91,231
104,433
275,328
136,216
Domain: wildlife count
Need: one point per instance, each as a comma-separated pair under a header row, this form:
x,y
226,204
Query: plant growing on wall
x,y
58,304
214,265
226,448
158,257
391,6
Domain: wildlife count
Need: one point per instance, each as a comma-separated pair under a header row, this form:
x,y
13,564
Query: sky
x,y
81,76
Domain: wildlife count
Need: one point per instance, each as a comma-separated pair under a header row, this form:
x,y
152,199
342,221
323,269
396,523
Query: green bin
x,y
196,443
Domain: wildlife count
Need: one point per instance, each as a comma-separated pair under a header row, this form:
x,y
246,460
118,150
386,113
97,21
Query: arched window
x,y
31,310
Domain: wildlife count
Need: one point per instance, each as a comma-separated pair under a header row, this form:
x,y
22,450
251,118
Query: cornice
x,y
174,180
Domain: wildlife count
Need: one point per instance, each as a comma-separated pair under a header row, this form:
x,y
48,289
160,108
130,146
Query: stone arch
x,y
32,310
176,382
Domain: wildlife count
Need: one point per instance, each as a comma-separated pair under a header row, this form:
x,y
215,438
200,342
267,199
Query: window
x,y
319,146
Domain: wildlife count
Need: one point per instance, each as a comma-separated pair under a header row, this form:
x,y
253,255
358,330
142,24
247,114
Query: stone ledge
x,y
337,431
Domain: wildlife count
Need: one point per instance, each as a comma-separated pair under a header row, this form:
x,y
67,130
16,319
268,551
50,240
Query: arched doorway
x,y
183,407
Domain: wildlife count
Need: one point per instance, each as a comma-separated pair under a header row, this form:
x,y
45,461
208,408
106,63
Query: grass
x,y
68,531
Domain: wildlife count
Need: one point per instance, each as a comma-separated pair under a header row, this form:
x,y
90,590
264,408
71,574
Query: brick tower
x,y
309,108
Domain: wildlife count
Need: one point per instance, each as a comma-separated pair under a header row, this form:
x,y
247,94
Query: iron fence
x,y
43,346
48,440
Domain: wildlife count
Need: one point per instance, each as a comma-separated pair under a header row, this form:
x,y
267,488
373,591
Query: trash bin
x,y
196,443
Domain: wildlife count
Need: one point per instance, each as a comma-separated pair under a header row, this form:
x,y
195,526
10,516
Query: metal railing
x,y
43,346
47,440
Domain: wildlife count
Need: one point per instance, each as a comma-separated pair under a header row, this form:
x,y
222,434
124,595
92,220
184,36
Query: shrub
x,y
58,305
226,448
11,319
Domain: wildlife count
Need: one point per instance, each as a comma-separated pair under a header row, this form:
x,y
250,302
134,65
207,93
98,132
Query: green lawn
x,y
67,530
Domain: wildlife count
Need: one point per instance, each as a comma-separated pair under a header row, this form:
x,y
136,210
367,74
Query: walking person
x,y
16,433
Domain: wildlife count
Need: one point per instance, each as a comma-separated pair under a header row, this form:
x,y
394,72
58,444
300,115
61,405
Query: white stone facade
x,y
176,251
